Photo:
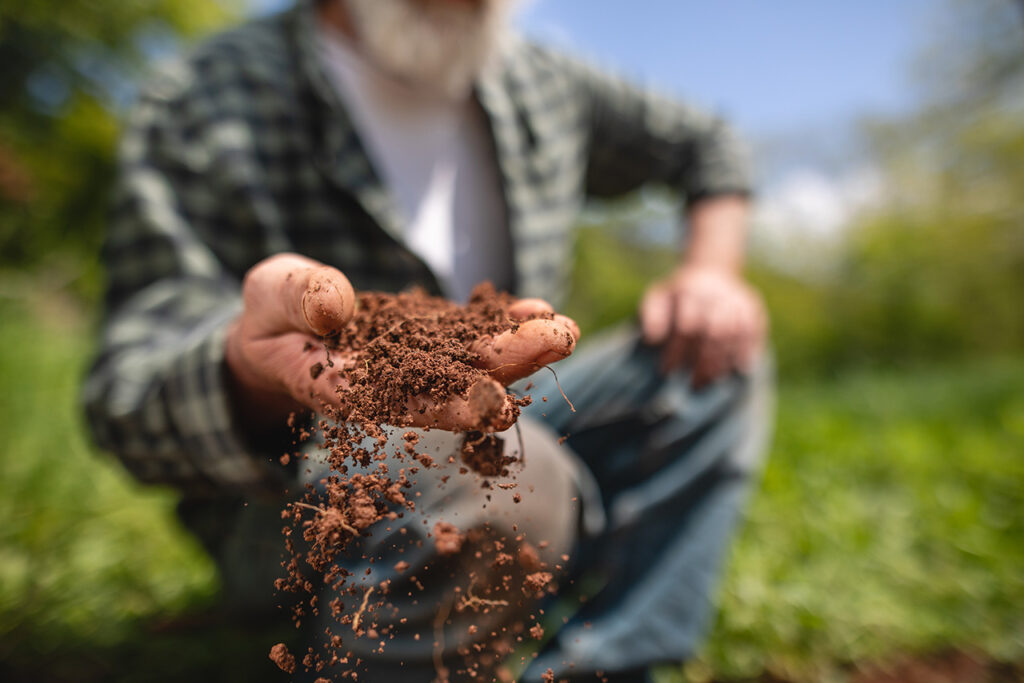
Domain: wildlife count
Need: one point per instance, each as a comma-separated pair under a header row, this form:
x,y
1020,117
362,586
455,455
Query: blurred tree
x,y
68,66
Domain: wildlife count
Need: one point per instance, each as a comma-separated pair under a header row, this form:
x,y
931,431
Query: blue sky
x,y
773,68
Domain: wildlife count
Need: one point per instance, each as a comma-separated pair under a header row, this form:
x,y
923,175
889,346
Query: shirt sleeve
x,y
156,393
640,137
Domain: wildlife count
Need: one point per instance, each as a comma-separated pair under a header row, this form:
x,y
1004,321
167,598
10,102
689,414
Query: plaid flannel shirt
x,y
243,149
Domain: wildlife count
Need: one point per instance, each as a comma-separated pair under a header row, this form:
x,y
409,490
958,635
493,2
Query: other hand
x,y
706,319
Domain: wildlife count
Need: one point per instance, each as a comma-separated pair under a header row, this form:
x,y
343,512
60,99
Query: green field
x,y
889,522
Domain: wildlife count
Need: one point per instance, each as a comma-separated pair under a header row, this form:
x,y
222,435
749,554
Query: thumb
x,y
292,293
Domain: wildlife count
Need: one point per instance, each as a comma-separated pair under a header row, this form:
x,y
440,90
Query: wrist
x,y
716,234
690,268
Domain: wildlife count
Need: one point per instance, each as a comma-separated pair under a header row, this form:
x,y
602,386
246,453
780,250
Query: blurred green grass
x,y
84,551
888,522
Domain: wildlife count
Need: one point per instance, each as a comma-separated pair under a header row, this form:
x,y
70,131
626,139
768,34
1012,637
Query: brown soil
x,y
413,345
447,538
285,661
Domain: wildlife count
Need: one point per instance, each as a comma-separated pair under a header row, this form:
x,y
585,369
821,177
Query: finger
x,y
524,309
288,292
717,345
325,372
514,355
570,324
709,366
656,316
487,407
687,326
527,309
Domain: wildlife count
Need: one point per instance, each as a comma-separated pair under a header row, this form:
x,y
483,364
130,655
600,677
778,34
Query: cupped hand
x,y
705,319
291,302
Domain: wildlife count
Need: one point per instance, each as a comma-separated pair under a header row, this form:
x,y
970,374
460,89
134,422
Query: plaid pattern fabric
x,y
243,150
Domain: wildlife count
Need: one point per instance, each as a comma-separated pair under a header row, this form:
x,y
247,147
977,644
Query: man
x,y
402,142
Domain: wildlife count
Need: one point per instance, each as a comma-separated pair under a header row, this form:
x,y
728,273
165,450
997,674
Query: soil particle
x,y
485,454
529,558
285,660
316,369
537,581
447,538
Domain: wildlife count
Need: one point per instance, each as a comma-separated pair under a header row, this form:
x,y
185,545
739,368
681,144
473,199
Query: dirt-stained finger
x,y
297,364
485,408
570,324
328,300
683,342
513,355
288,292
523,309
527,309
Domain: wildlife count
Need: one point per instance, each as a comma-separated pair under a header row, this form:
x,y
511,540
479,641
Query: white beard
x,y
442,45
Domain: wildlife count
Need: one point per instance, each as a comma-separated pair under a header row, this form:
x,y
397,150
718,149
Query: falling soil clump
x,y
485,454
447,538
285,660
537,581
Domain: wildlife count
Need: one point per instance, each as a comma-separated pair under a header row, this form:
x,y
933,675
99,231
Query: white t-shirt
x,y
436,157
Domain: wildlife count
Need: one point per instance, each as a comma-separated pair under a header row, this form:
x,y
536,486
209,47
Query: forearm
x,y
717,233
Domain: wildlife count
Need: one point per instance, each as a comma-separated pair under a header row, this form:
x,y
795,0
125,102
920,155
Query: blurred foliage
x,y
68,66
83,551
938,270
865,543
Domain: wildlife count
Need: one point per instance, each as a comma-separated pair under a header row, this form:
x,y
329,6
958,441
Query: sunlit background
x,y
886,542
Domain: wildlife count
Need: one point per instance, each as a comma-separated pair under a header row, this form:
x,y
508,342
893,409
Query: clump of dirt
x,y
411,346
399,357
537,581
285,660
447,538
485,453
